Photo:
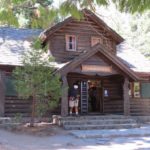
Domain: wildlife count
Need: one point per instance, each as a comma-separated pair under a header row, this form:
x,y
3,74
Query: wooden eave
x,y
145,76
101,23
105,52
55,28
48,32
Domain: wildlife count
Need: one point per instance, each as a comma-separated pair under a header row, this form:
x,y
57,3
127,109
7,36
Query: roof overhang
x,y
103,52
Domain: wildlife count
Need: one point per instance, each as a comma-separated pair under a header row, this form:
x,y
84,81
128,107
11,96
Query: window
x,y
96,40
145,90
9,85
71,42
135,90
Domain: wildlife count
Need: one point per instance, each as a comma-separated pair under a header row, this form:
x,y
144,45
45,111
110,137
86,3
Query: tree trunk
x,y
33,111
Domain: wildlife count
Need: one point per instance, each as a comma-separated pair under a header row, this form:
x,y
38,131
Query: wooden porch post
x,y
126,97
64,98
2,93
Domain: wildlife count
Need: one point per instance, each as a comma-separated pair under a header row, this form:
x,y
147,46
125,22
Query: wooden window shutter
x,y
96,40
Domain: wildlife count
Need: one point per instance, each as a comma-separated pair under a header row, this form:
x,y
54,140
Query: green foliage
x,y
17,118
140,33
7,17
70,7
47,18
10,9
134,28
36,79
133,6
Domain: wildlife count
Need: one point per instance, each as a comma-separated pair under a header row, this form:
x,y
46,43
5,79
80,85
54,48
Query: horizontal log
x,y
22,114
17,101
17,111
18,106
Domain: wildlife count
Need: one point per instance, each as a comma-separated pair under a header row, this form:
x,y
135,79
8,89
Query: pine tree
x,y
36,80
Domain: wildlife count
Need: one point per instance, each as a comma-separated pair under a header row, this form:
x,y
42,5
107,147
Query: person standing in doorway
x,y
74,99
92,95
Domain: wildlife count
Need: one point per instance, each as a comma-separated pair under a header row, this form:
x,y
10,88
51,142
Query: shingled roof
x,y
133,58
13,43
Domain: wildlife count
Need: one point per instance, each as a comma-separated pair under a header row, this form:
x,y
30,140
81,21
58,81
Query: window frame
x,y
67,42
132,88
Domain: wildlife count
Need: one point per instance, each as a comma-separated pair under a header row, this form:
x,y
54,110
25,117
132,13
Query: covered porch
x,y
107,74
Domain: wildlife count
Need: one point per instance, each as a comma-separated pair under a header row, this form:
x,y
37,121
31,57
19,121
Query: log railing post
x,y
126,97
64,98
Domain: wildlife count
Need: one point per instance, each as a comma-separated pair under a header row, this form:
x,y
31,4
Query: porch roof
x,y
105,52
133,58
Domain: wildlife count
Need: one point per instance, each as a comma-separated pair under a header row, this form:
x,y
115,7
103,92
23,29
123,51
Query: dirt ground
x,y
50,137
40,129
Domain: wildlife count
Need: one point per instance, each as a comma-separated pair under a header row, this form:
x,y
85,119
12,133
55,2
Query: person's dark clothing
x,y
92,94
73,92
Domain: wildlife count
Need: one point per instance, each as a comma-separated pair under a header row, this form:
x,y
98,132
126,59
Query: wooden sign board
x,y
96,68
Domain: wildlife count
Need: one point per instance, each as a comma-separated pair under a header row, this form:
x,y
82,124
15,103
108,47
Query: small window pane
x,y
70,46
70,42
130,90
9,84
70,38
136,89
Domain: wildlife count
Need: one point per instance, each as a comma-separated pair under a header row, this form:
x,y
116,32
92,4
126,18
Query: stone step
x,y
94,117
5,120
98,122
108,126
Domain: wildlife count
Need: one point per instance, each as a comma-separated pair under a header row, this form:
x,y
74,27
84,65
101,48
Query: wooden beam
x,y
64,98
126,97
2,94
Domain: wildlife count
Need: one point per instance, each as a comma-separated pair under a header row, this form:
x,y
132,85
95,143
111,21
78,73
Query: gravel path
x,y
12,141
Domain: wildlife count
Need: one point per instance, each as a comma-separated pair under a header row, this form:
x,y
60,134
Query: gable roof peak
x,y
48,32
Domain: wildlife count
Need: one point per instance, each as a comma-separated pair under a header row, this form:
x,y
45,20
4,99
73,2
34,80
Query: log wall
x,y
84,31
97,61
113,103
140,107
15,105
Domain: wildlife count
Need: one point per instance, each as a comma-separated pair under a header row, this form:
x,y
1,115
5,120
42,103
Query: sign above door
x,y
96,68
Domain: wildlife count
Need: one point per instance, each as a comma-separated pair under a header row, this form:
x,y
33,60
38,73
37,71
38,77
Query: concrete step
x,y
106,126
98,122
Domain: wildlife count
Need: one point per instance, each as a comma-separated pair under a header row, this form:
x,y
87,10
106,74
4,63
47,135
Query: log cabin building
x,y
91,54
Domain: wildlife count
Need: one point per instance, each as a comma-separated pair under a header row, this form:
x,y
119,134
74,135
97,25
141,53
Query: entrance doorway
x,y
95,102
